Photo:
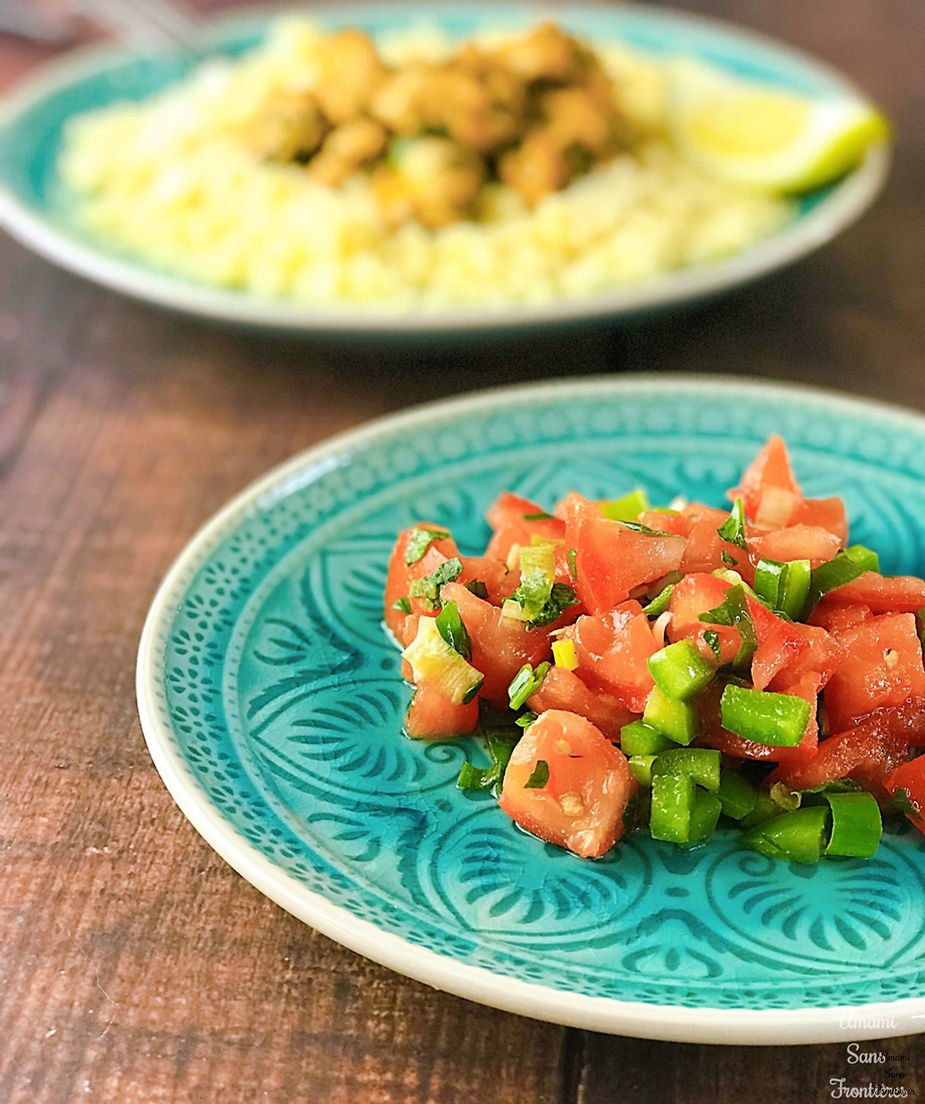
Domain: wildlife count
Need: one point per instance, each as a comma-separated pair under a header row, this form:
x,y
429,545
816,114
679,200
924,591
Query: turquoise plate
x,y
272,705
33,208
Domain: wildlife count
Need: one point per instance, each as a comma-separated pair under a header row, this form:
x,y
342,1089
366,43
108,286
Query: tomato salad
x,y
638,668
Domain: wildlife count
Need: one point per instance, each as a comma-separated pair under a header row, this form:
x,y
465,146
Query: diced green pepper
x,y
680,671
675,719
704,817
638,738
701,764
775,720
738,797
641,768
672,804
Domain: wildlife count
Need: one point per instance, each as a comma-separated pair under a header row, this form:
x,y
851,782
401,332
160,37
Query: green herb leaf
x,y
403,605
571,564
428,588
734,612
499,745
733,528
478,588
903,803
525,720
540,515
525,683
659,603
451,628
540,776
419,541
638,527
729,561
711,637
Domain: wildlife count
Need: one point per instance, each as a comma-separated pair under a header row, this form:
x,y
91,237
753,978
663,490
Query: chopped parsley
x,y
419,541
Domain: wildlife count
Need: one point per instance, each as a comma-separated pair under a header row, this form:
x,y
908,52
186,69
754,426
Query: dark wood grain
x,y
135,967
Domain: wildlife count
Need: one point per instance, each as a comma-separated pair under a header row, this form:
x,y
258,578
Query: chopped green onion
x,y
540,598
680,671
838,572
734,612
419,541
638,738
783,586
403,605
765,808
525,719
659,604
540,515
565,654
865,558
435,660
701,764
641,768
775,720
539,777
499,746
478,588
525,683
428,587
785,798
737,796
798,836
675,719
711,639
856,825
451,628
733,528
673,798
627,508
704,817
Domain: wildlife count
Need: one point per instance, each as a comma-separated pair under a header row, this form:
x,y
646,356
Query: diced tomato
x,y
768,488
431,716
499,582
515,521
796,542
613,651
696,594
877,744
779,643
500,645
910,777
401,575
882,665
610,559
581,804
823,513
564,689
819,659
666,522
836,616
899,594
705,547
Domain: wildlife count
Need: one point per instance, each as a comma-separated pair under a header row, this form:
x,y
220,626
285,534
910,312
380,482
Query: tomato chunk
x,y
401,575
517,520
500,645
910,777
613,651
431,717
768,488
611,559
899,594
580,806
564,689
882,665
696,594
796,542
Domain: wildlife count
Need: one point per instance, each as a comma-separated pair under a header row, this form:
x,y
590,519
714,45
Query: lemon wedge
x,y
766,138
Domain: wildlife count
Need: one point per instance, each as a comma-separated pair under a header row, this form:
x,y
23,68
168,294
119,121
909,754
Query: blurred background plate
x,y
272,705
36,111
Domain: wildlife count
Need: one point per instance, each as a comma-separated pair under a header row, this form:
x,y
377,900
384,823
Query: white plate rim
x,y
834,1024
687,286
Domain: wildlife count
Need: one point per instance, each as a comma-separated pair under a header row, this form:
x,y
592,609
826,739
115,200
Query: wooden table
x,y
135,966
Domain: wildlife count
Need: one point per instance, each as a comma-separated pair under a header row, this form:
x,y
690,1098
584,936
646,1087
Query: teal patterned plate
x,y
272,705
33,208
